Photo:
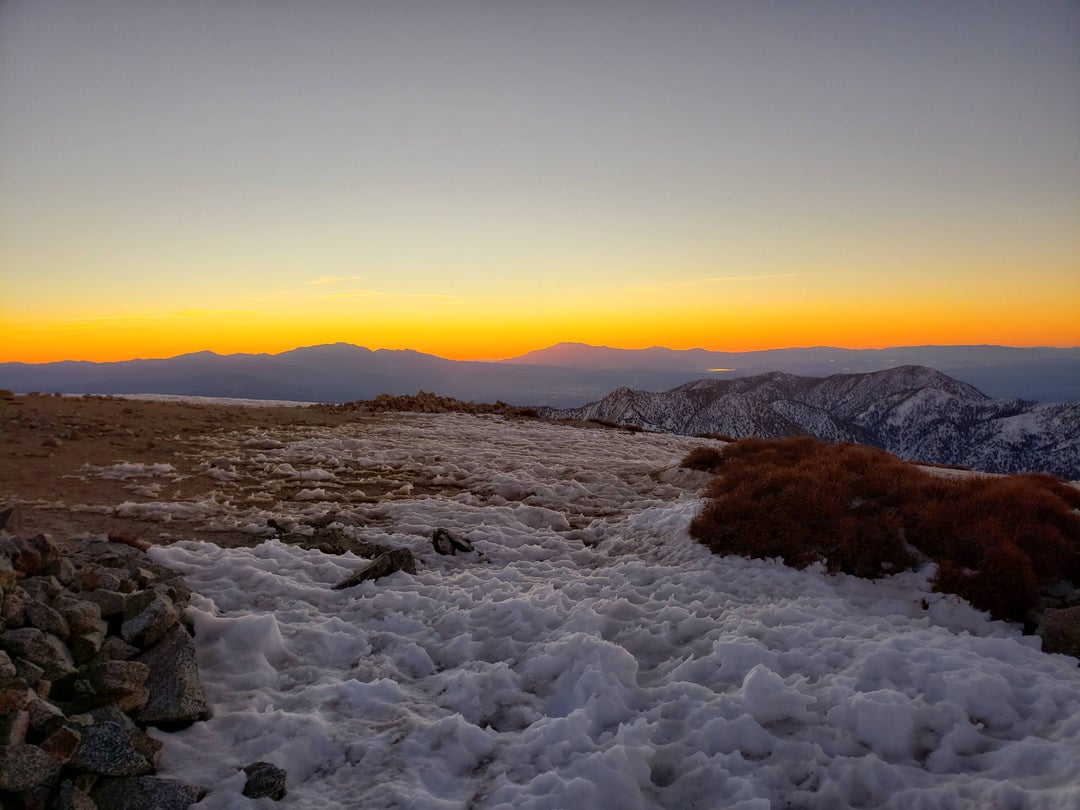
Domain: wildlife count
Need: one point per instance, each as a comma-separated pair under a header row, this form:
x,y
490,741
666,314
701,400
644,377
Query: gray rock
x,y
64,570
446,543
145,792
25,766
116,649
109,602
176,693
8,516
1060,631
44,716
110,580
176,588
39,648
89,579
8,672
15,602
117,677
112,745
8,574
47,620
148,615
28,555
143,577
128,586
37,798
13,728
334,540
113,683
62,743
42,589
264,779
398,559
28,672
13,700
85,646
81,615
69,797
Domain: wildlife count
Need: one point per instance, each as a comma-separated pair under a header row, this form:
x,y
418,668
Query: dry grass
x,y
720,437
863,511
706,459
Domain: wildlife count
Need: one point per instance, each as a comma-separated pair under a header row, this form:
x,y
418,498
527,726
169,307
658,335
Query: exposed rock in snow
x,y
390,562
264,779
1060,631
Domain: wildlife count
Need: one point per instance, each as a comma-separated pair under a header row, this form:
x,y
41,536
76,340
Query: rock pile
x,y
92,651
425,402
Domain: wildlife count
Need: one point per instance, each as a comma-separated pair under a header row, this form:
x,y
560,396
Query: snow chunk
x,y
124,470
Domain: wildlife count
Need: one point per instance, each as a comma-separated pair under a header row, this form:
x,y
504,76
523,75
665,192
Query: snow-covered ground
x,y
590,654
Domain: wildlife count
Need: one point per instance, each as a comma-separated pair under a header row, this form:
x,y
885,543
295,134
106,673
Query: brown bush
x,y
596,420
862,511
705,458
720,437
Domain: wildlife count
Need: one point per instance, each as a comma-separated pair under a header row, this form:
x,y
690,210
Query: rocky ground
x,y
56,454
93,649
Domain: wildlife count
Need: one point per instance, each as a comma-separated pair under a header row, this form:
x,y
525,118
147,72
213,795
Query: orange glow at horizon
x,y
362,174
471,333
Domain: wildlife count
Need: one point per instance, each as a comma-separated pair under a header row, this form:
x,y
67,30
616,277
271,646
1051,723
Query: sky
x,y
479,179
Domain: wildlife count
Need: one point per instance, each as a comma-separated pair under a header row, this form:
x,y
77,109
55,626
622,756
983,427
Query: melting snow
x,y
125,469
591,655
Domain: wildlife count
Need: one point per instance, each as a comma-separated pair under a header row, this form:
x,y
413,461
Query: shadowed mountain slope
x,y
915,412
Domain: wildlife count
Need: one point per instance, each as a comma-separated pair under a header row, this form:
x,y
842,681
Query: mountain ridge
x,y
568,374
915,412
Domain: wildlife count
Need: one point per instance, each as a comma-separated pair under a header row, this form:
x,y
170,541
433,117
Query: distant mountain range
x,y
563,375
914,412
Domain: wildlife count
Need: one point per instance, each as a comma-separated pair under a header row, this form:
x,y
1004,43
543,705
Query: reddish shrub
x,y
604,422
720,437
865,512
706,459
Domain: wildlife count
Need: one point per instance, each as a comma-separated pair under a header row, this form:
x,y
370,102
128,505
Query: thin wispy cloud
x,y
128,319
324,280
368,294
710,281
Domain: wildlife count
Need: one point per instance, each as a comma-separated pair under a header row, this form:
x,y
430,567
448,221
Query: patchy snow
x,y
238,401
165,511
317,494
125,469
590,654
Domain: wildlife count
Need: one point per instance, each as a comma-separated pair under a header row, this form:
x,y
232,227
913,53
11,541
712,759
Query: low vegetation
x,y
630,428
705,458
425,402
862,511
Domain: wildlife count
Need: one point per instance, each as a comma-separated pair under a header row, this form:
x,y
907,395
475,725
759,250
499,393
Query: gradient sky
x,y
477,179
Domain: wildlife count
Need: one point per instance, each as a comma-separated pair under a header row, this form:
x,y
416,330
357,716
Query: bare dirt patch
x,y
53,450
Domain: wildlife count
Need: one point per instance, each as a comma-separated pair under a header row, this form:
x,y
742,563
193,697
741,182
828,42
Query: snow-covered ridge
x,y
915,412
591,654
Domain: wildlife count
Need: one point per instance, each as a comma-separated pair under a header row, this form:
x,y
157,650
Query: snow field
x,y
590,654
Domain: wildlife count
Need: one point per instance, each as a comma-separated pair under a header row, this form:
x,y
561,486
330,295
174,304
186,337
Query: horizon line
x,y
556,345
